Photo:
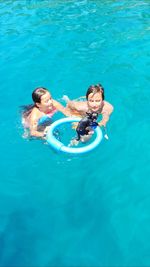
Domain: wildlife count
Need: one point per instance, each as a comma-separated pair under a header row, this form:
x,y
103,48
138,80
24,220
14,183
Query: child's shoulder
x,y
35,114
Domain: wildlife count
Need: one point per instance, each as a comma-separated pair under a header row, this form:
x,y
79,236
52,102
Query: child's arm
x,y
106,112
33,126
61,108
33,130
79,106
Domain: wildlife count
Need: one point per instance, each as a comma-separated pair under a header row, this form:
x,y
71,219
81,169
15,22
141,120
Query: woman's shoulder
x,y
107,106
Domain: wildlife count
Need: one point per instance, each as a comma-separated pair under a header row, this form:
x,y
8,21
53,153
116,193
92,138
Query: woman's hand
x,y
101,124
74,125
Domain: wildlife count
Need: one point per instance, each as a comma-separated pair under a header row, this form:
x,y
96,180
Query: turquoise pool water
x,y
59,210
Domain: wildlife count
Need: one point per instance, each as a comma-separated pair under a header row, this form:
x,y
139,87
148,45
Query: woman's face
x,y
94,101
46,102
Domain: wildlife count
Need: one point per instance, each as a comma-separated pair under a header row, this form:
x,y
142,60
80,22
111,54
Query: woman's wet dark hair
x,y
93,89
38,93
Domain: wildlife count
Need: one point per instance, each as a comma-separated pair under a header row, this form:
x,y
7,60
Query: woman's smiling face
x,y
94,101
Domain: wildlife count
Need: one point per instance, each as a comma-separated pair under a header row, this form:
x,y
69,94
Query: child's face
x,y
94,101
46,102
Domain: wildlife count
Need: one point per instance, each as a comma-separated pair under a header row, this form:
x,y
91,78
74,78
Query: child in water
x,y
94,103
38,117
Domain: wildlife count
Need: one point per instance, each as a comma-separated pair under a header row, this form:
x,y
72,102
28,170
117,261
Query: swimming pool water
x,y
62,210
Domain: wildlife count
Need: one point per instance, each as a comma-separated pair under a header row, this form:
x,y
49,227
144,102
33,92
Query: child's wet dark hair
x,y
38,93
36,96
93,89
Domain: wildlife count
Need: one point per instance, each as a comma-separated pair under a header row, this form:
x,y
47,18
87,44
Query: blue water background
x,y
91,210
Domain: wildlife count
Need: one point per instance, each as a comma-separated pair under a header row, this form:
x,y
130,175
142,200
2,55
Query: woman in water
x,y
94,103
38,116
